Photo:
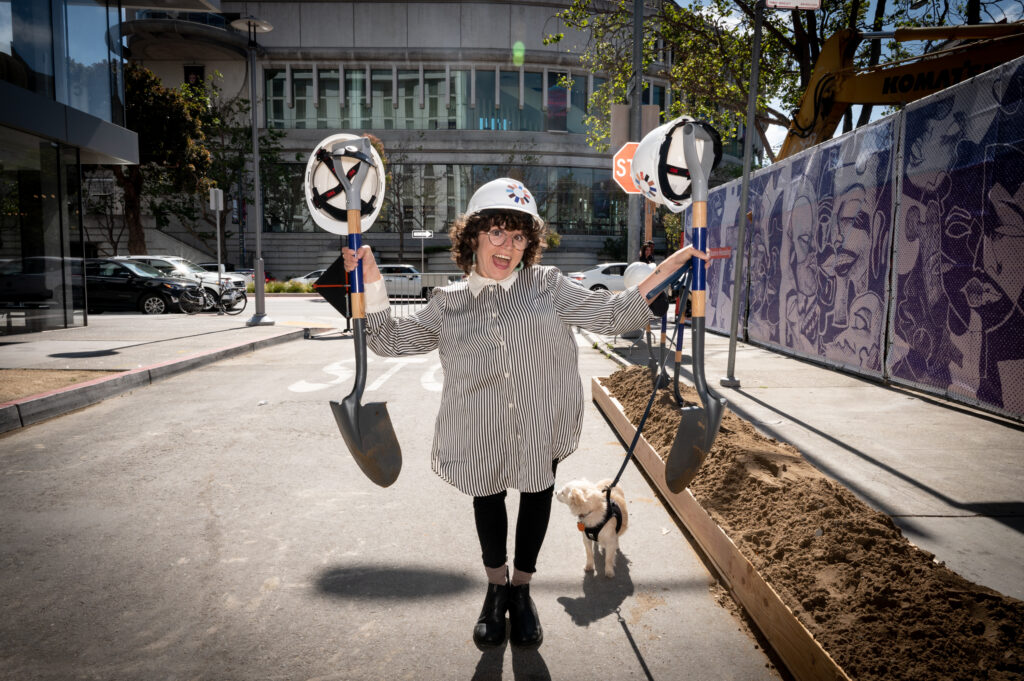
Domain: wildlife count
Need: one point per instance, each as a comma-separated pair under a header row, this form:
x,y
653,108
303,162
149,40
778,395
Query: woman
x,y
646,252
512,403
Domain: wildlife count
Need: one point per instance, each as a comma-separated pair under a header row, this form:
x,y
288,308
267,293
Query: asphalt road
x,y
213,526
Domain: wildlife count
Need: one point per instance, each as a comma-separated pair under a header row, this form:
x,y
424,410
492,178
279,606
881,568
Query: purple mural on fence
x,y
819,248
957,324
825,222
723,222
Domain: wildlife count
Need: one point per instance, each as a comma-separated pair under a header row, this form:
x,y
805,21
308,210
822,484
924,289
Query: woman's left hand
x,y
669,266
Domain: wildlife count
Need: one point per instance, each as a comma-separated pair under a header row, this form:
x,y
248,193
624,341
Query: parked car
x,y
249,274
120,284
403,281
309,278
176,266
606,276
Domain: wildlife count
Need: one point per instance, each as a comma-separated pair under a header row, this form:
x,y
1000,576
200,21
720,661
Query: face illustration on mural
x,y
931,147
850,237
1003,245
860,339
803,221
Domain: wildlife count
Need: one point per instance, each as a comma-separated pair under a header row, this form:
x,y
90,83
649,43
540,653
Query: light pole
x,y
251,25
730,380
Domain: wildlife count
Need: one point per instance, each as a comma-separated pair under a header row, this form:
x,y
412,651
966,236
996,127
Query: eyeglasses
x,y
497,236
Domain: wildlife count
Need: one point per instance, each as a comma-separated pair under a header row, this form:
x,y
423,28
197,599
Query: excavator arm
x,y
835,84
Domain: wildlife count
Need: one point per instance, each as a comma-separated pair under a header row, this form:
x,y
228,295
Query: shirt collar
x,y
478,283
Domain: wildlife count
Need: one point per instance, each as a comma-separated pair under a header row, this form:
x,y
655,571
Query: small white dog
x,y
598,521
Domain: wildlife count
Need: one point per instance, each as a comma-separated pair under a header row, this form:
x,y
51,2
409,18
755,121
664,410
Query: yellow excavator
x,y
835,84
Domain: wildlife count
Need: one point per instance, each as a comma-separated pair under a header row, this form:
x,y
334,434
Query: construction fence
x,y
895,251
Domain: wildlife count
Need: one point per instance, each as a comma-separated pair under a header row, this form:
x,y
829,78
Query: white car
x,y
606,276
176,266
402,281
309,278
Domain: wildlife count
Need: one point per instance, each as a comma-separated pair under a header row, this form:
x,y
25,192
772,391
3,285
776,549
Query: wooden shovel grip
x,y
355,242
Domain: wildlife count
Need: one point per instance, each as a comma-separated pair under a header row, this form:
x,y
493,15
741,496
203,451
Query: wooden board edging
x,y
803,656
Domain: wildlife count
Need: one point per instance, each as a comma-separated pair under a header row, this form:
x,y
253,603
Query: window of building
x,y
558,102
578,111
485,117
409,115
509,115
381,106
438,112
460,100
532,115
26,45
353,112
93,61
38,243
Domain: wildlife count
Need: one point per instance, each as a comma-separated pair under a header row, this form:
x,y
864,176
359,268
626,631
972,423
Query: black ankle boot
x,y
522,613
490,626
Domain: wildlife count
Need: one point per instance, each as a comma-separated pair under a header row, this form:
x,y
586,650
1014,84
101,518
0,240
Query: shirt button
x,y
506,374
511,405
494,314
502,341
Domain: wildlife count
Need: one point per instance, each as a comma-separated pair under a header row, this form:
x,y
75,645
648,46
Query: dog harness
x,y
612,510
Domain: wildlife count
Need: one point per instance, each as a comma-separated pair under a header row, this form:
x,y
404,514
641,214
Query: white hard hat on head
x,y
503,194
637,272
659,166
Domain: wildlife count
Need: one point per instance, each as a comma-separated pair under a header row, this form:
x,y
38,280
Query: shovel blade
x,y
697,430
370,437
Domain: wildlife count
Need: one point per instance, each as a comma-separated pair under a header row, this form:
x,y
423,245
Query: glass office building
x,y
62,107
439,83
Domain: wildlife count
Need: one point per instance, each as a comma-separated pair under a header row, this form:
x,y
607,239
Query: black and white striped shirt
x,y
512,399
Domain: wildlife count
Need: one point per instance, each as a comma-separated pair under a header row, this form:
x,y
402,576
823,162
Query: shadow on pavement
x,y
385,582
601,596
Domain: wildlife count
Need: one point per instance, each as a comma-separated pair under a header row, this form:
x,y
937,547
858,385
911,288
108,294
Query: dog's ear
x,y
578,497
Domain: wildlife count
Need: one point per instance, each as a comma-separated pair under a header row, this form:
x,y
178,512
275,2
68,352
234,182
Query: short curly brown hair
x,y
466,230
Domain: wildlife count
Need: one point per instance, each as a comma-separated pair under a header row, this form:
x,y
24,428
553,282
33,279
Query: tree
x,y
228,127
709,44
105,202
172,152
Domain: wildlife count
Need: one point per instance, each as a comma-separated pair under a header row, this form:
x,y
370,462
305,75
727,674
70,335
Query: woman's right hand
x,y
370,271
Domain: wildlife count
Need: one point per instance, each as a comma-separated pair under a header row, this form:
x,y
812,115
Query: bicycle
x,y
192,300
230,301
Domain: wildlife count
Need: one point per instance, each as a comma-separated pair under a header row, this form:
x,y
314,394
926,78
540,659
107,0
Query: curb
x,y
36,408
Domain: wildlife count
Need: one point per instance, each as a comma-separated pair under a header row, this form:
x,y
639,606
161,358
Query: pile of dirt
x,y
880,606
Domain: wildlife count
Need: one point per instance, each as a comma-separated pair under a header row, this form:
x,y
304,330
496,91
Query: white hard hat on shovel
x,y
659,167
331,160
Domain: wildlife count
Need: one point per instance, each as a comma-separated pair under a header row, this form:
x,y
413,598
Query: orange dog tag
x,y
580,527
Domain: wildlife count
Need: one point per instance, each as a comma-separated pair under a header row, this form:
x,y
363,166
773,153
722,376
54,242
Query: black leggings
x,y
531,526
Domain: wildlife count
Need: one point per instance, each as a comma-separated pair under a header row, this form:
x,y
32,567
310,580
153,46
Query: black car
x,y
130,285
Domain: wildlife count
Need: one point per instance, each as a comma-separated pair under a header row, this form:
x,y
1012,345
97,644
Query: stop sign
x,y
622,165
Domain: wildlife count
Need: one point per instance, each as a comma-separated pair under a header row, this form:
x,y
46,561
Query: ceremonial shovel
x,y
699,425
366,428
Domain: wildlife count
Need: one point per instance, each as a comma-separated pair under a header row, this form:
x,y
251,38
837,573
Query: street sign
x,y
216,199
793,4
622,166
422,234
333,286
